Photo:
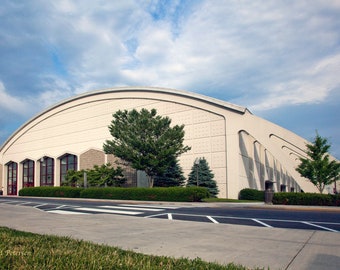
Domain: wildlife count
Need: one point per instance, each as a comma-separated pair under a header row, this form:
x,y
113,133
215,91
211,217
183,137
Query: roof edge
x,y
192,95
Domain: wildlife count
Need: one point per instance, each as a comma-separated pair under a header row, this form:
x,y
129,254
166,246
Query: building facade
x,y
243,150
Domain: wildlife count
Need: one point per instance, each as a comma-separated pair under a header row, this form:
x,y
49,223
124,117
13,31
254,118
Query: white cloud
x,y
233,47
12,104
312,86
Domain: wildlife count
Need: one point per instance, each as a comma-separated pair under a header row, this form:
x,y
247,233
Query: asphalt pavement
x,y
250,246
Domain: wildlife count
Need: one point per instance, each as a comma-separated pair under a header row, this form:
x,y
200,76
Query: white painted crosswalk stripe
x,y
63,212
131,208
123,209
108,211
151,206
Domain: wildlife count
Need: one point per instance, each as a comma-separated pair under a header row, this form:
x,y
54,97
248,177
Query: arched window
x,y
28,173
12,172
46,171
67,162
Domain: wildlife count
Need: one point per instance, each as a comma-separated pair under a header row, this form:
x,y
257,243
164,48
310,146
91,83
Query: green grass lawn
x,y
22,250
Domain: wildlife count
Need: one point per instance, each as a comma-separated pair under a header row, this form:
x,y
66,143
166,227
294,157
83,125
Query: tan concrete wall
x,y
257,165
213,128
92,157
1,178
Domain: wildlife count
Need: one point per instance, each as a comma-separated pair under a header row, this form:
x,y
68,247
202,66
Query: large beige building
x,y
243,150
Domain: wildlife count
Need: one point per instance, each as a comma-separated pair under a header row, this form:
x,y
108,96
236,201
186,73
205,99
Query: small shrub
x,y
251,194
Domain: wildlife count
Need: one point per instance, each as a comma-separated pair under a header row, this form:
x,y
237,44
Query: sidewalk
x,y
222,243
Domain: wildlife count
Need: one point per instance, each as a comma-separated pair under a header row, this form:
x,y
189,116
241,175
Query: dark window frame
x,y
12,178
67,162
28,173
47,171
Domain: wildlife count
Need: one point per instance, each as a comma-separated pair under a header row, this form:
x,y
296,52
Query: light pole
x,y
197,162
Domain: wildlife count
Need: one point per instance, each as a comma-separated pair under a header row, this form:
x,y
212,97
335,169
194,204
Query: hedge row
x,y
292,198
251,194
178,194
67,192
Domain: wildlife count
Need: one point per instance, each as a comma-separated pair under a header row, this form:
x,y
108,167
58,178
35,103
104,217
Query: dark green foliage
x,y
99,176
173,194
23,250
67,192
74,178
145,140
317,167
172,177
202,176
251,194
105,175
292,198
179,194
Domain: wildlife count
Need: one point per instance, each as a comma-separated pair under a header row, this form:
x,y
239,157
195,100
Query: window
x,y
67,162
28,173
12,169
283,188
47,171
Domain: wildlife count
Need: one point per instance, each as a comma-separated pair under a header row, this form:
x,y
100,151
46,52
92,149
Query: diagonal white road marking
x,y
213,220
37,206
262,223
318,226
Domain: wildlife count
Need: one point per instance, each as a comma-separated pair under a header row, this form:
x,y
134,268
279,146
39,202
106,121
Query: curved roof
x,y
186,94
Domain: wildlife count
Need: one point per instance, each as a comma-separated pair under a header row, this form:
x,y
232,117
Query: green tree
x,y
145,140
317,167
202,176
172,177
104,175
74,178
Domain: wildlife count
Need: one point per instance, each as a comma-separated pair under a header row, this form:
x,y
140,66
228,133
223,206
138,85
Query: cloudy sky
x,y
280,59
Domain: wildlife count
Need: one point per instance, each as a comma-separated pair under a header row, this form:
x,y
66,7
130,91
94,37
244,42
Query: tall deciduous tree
x,y
317,167
145,140
202,176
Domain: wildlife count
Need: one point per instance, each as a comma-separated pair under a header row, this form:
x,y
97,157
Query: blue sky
x,y
280,59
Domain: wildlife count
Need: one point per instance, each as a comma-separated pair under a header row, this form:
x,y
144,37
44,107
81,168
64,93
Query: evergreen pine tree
x,y
172,177
202,176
